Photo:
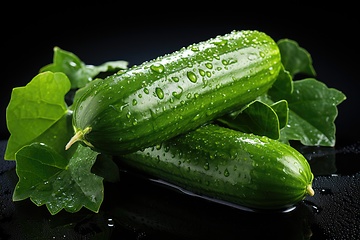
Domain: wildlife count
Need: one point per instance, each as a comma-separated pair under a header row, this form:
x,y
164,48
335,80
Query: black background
x,y
109,30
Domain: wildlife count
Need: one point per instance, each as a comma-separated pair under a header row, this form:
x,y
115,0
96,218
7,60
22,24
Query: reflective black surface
x,y
140,208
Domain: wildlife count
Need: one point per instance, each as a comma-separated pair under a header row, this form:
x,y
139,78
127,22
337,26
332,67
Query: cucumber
x,y
175,93
252,171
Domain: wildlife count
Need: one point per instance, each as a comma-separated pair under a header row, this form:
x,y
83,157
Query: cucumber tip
x,y
309,190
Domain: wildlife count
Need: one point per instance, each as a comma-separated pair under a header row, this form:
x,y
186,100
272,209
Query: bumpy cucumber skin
x,y
175,93
241,168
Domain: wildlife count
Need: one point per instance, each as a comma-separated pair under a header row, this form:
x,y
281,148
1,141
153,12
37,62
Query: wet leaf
x,y
77,71
295,59
50,179
256,117
313,109
34,109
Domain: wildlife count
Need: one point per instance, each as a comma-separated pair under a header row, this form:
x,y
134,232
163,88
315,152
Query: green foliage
x,y
78,72
47,177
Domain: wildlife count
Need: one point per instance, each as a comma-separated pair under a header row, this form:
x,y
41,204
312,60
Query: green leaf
x,y
295,59
49,178
256,117
283,84
282,111
36,108
77,71
313,109
106,168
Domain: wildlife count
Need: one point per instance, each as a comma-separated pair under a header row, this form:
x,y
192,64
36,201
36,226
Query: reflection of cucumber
x,y
252,171
144,207
175,93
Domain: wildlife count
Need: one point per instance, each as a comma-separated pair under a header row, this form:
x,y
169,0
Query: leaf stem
x,y
79,136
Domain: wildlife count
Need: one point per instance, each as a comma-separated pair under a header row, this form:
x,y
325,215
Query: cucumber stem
x,y
79,136
310,190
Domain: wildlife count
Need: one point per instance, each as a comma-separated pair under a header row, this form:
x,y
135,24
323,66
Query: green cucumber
x,y
252,171
175,93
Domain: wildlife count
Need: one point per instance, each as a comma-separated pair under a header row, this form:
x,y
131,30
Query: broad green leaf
x,y
34,109
283,84
282,111
295,58
50,179
312,112
77,71
256,117
105,167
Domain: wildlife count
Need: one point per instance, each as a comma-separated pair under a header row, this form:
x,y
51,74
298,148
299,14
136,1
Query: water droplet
x,y
220,42
110,222
159,93
73,64
226,173
271,70
195,48
93,198
192,77
197,116
175,79
224,62
231,61
209,65
178,94
201,72
206,166
146,90
252,56
325,191
157,67
122,107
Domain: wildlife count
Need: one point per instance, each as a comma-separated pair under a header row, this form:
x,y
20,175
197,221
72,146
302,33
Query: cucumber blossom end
x,y
309,190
